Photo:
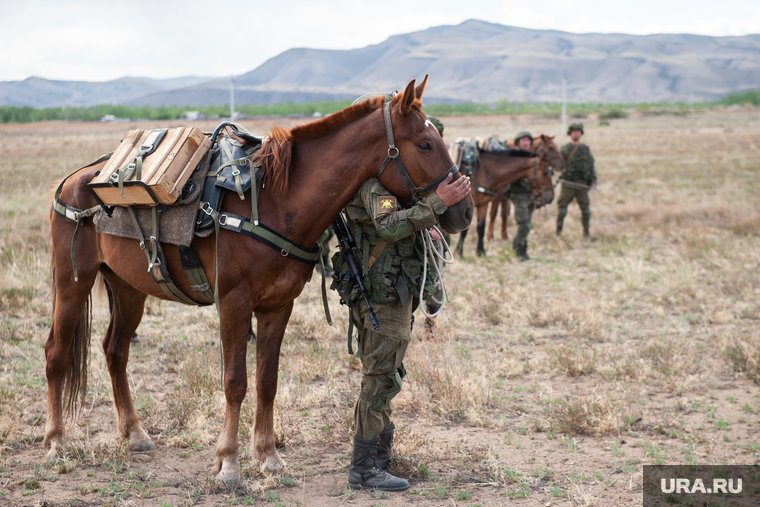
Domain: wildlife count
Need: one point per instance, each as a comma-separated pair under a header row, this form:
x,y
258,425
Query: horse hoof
x,y
142,447
273,464
229,481
52,454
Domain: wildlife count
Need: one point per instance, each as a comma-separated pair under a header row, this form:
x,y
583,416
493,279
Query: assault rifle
x,y
347,246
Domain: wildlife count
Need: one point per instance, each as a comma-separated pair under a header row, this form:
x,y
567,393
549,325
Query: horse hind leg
x,y
126,314
68,344
504,215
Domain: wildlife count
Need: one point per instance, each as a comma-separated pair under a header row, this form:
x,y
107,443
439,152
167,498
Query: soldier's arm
x,y
593,169
393,223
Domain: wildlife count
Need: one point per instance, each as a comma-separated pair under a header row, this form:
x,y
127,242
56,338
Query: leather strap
x,y
379,247
393,154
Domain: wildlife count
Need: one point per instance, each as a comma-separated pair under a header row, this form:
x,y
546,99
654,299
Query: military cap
x,y
438,124
575,126
521,134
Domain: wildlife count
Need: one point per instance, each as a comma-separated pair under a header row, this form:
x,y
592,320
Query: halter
x,y
534,178
393,154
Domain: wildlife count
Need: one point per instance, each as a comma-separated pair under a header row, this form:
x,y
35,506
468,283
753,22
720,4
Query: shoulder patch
x,y
386,204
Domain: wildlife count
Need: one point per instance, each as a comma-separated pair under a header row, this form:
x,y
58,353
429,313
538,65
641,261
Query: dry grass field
x,y
550,382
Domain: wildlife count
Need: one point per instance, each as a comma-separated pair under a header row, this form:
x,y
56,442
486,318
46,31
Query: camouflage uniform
x,y
579,169
393,283
521,195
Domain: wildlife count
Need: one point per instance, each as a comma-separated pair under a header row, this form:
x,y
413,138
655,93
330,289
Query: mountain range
x,y
474,61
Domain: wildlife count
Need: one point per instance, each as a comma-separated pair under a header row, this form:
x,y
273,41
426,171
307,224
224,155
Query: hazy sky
x,y
99,40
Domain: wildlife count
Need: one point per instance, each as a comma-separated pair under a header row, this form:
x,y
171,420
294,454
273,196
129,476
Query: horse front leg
x,y
460,243
481,252
504,215
235,321
271,328
126,314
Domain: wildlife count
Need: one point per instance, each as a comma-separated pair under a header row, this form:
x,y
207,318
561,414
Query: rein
x,y
394,154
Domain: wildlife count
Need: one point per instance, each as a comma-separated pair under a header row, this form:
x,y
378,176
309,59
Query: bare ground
x,y
550,382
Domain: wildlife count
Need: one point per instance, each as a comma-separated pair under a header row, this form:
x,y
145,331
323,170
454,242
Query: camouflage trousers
x,y
382,352
566,197
524,207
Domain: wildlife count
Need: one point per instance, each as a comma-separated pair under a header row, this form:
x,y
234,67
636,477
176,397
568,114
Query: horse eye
x,y
425,146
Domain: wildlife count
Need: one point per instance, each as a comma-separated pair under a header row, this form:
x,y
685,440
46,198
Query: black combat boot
x,y
586,233
521,252
385,454
364,473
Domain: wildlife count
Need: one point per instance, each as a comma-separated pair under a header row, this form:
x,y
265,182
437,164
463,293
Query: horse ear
x,y
421,88
408,98
550,137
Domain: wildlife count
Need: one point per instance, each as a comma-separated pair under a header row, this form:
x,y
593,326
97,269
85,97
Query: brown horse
x,y
545,148
310,172
500,169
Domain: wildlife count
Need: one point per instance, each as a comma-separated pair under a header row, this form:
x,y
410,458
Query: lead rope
x,y
437,258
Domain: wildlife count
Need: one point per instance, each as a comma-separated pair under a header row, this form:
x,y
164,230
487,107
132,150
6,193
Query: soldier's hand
x,y
453,192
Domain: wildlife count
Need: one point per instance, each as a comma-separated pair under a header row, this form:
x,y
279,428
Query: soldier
x,y
580,176
387,233
521,195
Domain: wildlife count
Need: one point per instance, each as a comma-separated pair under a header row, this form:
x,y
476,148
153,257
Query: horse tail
x,y
75,378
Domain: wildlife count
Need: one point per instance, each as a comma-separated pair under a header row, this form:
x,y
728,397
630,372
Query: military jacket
x,y
580,168
521,186
374,214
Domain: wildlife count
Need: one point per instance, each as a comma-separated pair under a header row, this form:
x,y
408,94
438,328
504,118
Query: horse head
x,y
549,160
425,157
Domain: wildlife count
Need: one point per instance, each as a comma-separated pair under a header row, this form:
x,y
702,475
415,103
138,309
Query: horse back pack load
x,y
150,167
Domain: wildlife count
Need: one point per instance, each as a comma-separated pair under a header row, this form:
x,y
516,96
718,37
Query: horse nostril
x,y
468,214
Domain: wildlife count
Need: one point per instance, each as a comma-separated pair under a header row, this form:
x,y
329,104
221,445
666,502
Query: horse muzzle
x,y
458,217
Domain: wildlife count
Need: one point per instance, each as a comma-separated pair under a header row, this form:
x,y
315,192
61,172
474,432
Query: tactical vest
x,y
395,276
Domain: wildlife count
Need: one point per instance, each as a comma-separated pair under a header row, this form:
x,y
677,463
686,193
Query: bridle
x,y
393,154
534,179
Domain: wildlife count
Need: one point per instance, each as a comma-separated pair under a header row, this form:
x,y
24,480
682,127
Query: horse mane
x,y
276,154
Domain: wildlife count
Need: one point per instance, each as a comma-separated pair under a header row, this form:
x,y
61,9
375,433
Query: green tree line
x,y
14,114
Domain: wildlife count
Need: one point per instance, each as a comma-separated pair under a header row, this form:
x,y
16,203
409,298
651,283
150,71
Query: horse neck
x,y
502,170
325,174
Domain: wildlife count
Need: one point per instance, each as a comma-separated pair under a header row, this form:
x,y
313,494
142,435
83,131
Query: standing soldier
x,y
578,179
390,254
521,195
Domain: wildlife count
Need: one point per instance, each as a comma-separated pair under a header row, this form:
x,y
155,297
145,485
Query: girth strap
x,y
269,237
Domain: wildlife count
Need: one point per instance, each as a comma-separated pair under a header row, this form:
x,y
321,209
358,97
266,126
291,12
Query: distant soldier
x,y
521,195
579,177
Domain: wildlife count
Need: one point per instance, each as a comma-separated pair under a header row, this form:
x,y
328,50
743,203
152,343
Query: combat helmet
x,y
575,126
521,134
438,124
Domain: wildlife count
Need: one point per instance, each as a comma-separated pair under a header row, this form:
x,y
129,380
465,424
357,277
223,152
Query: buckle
x,y
207,209
222,219
393,148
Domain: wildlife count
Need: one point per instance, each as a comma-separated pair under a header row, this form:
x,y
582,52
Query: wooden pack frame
x,y
165,169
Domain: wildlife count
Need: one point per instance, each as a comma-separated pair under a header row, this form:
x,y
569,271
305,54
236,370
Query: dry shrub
x,y
592,414
447,383
745,225
742,355
573,359
11,411
675,362
413,452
